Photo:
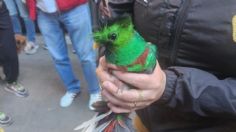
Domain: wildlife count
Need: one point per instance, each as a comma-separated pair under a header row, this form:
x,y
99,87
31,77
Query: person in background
x,y
193,86
9,60
8,55
76,19
18,8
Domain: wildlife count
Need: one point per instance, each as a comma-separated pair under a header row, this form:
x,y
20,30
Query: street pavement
x,y
40,112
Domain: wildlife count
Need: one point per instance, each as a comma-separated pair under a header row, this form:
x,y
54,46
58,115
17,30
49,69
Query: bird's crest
x,y
115,34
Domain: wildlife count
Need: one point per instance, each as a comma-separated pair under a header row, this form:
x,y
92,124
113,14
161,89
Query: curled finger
x,y
122,92
116,101
118,109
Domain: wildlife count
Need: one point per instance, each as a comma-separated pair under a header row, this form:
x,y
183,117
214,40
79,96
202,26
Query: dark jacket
x,y
197,48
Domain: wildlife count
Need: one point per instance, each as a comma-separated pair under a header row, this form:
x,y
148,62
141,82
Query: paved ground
x,y
40,112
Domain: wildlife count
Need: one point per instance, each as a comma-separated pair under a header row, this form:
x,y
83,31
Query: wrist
x,y
168,88
162,85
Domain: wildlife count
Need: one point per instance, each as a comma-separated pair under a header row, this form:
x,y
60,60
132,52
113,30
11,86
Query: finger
x,y
104,4
102,71
115,101
104,76
114,67
129,95
139,80
120,93
103,63
106,12
141,105
117,109
133,79
112,95
128,105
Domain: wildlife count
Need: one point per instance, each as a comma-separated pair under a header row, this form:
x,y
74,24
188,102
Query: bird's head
x,y
116,34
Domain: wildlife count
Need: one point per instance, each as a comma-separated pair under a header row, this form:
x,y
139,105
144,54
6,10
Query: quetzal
x,y
125,48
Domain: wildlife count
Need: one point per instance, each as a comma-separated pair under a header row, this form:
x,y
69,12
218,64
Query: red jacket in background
x,y
63,5
31,4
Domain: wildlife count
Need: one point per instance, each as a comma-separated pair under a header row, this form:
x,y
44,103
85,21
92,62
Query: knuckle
x,y
142,78
156,86
98,71
100,60
115,110
152,97
146,105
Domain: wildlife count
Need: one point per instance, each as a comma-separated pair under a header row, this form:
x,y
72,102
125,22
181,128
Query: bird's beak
x,y
108,43
95,45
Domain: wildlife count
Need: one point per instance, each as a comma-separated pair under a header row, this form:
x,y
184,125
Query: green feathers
x,y
125,48
115,35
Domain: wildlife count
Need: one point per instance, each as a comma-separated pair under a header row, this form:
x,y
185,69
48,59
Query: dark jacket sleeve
x,y
194,90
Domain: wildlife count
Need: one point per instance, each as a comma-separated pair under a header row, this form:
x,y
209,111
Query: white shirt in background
x,y
48,6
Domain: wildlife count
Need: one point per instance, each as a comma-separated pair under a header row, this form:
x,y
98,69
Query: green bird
x,y
125,48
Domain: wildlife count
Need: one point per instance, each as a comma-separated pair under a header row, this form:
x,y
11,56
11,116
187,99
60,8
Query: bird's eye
x,y
112,36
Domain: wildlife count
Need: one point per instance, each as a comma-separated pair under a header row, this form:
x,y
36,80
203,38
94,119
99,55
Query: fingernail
x,y
105,84
115,72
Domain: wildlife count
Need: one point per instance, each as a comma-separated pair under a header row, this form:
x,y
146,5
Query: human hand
x,y
148,87
104,9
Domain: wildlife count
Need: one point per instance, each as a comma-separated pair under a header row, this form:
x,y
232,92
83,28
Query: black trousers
x,y
8,52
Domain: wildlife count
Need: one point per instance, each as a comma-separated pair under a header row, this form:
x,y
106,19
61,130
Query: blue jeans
x,y
78,24
15,6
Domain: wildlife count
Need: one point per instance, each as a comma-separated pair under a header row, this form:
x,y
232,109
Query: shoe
x,y
93,99
67,99
17,89
5,120
31,48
